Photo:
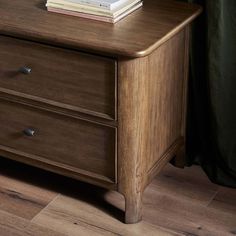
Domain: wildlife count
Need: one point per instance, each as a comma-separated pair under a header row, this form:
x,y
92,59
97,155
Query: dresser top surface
x,y
135,36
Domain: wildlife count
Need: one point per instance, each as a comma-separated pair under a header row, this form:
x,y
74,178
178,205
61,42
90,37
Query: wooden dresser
x,y
100,103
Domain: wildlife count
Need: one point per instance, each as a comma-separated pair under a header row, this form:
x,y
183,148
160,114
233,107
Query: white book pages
x,y
105,4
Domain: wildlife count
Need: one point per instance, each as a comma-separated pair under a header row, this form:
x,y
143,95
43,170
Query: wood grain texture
x,y
147,51
12,225
180,159
55,107
193,184
63,78
178,202
150,107
160,19
62,215
173,150
185,215
45,164
224,200
59,140
22,199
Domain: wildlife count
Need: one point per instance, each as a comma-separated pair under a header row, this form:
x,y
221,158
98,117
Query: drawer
x,y
67,142
62,77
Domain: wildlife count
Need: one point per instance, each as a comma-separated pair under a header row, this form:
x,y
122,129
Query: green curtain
x,y
211,128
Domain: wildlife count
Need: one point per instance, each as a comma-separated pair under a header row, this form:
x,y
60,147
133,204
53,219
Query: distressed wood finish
x,y
137,35
63,78
113,116
59,140
151,117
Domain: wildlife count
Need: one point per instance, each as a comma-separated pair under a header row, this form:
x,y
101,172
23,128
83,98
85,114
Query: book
x,y
92,8
96,17
65,5
105,4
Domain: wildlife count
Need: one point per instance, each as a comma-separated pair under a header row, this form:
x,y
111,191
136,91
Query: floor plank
x,y
225,201
73,216
21,198
185,216
11,225
177,202
190,183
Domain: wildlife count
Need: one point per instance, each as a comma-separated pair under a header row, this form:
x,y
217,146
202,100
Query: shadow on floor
x,y
69,187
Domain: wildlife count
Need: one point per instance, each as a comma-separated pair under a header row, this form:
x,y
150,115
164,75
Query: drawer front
x,y
64,141
73,80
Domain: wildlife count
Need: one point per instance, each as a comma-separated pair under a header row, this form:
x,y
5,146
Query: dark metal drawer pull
x,y
29,132
25,70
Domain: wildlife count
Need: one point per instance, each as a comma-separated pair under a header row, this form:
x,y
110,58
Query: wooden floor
x,y
178,202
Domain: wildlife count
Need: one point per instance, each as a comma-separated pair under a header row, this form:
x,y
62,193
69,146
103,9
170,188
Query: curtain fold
x,y
211,126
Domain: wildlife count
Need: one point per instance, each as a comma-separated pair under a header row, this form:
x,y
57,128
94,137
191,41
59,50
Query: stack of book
x,y
103,10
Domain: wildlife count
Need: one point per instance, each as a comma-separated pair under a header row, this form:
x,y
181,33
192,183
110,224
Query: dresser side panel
x,y
150,112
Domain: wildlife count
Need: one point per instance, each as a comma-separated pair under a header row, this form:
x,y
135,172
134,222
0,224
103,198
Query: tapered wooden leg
x,y
180,157
133,208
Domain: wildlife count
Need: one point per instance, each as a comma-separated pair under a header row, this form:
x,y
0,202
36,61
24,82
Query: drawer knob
x,y
29,132
25,70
